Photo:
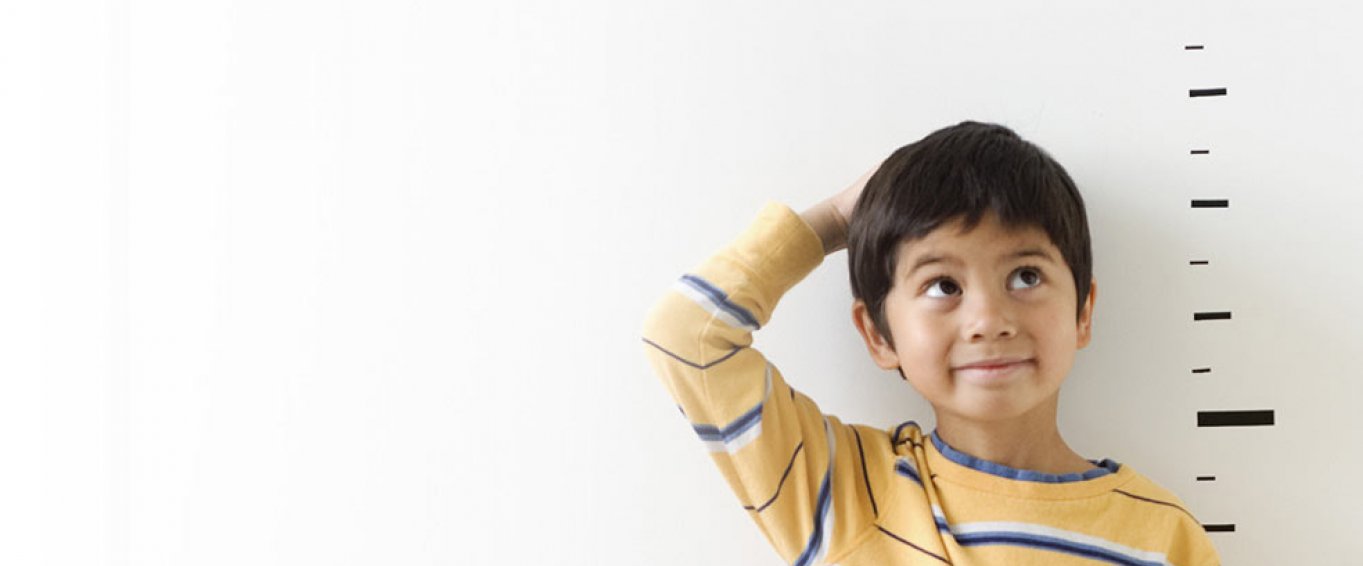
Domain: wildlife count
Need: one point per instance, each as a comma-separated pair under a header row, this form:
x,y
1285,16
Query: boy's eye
x,y
1029,276
948,287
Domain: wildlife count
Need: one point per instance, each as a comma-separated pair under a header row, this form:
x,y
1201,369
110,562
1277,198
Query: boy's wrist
x,y
828,224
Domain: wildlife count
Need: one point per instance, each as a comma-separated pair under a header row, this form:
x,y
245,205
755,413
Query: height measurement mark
x,y
1218,418
1235,418
1199,92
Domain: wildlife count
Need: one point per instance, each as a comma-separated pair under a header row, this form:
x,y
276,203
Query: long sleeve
x,y
795,469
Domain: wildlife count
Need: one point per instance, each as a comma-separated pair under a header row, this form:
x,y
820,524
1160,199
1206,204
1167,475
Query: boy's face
x,y
959,299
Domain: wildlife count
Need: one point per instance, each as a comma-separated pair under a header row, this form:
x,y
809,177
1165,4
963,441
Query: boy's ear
x,y
881,350
1086,316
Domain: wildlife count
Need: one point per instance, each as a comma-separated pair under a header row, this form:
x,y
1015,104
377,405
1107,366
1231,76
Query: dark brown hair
x,y
962,171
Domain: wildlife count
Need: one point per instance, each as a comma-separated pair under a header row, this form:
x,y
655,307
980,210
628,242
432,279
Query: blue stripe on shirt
x,y
713,298
1051,543
904,468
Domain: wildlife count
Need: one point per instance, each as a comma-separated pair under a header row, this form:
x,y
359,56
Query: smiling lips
x,y
993,368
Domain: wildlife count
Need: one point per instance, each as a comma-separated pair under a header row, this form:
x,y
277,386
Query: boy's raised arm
x,y
795,470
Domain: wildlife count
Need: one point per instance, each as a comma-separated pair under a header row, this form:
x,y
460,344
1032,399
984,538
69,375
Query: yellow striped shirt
x,y
825,492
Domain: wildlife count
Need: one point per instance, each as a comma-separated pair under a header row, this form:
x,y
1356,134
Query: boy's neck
x,y
1029,442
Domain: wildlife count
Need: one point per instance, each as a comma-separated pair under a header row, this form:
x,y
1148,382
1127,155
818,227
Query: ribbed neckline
x,y
1101,468
953,466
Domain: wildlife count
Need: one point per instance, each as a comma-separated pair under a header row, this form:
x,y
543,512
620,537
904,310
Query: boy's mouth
x,y
993,363
993,370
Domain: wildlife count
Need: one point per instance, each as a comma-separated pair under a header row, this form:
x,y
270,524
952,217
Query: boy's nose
x,y
988,317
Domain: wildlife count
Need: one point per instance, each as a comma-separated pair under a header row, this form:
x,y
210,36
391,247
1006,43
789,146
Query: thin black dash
x,y
1211,315
1198,262
1192,47
1207,92
1201,151
1211,203
1219,528
1202,370
1206,478
1235,418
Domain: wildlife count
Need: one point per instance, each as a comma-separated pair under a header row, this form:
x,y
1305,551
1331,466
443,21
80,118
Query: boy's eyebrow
x,y
928,259
1031,252
931,258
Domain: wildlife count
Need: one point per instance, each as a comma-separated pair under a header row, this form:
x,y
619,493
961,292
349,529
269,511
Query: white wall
x,y
317,282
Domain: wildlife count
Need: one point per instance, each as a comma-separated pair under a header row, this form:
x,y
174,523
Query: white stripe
x,y
738,442
709,305
1042,530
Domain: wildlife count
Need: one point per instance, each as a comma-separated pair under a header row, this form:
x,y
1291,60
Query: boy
x,y
970,269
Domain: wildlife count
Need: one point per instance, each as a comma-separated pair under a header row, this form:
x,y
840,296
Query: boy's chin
x,y
986,411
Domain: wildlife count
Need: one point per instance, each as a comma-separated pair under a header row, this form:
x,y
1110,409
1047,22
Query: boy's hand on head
x,y
829,218
845,201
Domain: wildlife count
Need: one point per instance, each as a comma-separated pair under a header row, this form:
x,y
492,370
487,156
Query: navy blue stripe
x,y
899,429
816,538
904,469
1019,539
734,429
721,299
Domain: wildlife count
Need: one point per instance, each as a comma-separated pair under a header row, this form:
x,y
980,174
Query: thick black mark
x,y
1235,418
1207,92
